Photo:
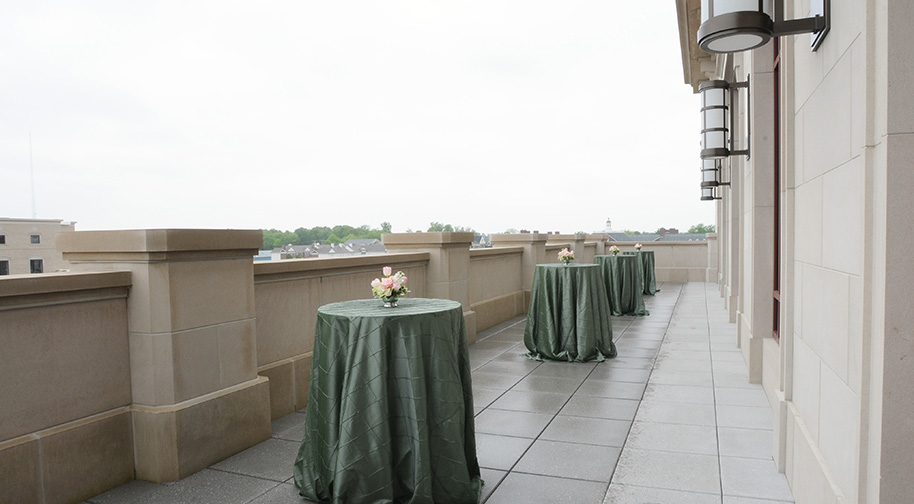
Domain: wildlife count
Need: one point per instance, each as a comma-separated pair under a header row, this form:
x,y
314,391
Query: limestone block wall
x,y
287,295
496,294
196,395
65,419
677,261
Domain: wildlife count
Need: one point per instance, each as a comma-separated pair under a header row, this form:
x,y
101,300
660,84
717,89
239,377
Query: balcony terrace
x,y
218,415
672,419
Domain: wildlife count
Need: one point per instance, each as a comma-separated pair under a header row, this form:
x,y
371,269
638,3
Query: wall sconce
x,y
710,173
707,194
709,178
729,26
718,98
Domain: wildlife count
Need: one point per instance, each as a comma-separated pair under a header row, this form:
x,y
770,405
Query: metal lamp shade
x,y
707,194
734,25
714,113
709,174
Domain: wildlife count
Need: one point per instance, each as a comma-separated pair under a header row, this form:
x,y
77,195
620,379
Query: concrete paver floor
x,y
672,419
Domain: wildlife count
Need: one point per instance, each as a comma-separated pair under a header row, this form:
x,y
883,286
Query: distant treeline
x,y
274,238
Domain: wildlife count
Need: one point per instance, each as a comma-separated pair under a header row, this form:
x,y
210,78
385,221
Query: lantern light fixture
x,y
707,194
729,26
718,114
711,174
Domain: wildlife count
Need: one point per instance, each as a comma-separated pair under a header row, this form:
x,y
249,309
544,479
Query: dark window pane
x,y
2,239
36,266
4,267
35,239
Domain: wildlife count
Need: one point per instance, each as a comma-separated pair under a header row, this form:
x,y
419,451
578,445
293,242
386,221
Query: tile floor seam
x,y
720,470
236,473
538,436
500,331
684,491
553,476
510,470
641,400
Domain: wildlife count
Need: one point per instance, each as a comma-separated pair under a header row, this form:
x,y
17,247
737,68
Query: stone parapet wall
x,y
287,295
65,421
495,285
165,351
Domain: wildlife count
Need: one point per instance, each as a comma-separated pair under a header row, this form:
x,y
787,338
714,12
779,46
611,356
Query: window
x,y
4,267
36,266
2,239
776,307
34,239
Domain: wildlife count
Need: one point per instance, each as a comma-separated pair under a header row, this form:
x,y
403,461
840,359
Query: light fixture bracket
x,y
738,31
724,145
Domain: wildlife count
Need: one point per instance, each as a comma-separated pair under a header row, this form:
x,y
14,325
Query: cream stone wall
x,y
65,422
838,380
496,294
197,397
287,296
828,218
677,261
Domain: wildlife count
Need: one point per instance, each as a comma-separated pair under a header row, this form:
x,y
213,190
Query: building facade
x,y
813,232
29,245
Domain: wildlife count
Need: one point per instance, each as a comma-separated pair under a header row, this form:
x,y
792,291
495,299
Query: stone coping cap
x,y
420,239
489,251
331,263
160,240
519,238
24,285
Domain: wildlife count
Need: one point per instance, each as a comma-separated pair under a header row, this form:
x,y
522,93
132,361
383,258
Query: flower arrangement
x,y
391,287
566,256
614,250
638,247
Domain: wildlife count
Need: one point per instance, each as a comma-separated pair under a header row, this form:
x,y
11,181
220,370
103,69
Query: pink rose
x,y
375,282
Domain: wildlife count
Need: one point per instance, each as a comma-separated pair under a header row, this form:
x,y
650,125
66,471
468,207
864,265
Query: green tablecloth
x,y
650,282
390,406
647,276
622,281
568,318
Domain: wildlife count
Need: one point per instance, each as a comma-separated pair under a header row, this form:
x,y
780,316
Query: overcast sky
x,y
490,114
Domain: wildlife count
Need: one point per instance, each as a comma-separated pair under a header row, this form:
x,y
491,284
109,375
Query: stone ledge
x,y
159,240
335,264
408,240
519,238
25,285
495,251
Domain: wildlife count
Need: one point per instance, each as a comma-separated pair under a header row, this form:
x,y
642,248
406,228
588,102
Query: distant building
x,y
353,247
666,235
29,245
481,241
681,237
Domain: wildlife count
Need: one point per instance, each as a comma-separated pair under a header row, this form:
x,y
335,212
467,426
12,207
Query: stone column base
x,y
173,442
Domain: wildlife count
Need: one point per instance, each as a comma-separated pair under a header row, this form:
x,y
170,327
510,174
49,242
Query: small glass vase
x,y
566,262
390,302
